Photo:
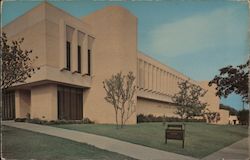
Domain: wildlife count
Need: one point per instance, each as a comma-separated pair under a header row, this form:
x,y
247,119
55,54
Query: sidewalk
x,y
109,144
236,151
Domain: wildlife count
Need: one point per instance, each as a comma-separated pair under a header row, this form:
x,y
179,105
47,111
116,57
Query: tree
x,y
120,92
212,117
16,63
188,100
243,116
232,79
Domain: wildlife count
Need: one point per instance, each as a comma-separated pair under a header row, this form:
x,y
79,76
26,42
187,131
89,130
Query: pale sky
x,y
194,37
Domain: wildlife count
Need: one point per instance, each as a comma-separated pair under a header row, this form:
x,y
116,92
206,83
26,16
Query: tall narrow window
x,y
68,48
89,61
79,57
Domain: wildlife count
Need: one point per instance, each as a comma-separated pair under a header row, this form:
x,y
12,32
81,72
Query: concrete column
x,y
22,103
154,78
81,42
167,86
62,41
74,44
18,104
85,55
171,84
165,82
90,47
44,102
150,76
162,81
174,84
146,75
160,84
143,74
177,88
157,79
138,73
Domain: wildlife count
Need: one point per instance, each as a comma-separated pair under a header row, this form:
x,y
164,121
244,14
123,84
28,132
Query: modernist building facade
x,y
77,55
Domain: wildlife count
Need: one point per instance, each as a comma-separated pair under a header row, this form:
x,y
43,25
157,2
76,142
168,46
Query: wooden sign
x,y
176,132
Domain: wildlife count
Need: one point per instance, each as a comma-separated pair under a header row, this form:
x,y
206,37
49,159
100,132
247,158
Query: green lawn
x,y
20,144
201,139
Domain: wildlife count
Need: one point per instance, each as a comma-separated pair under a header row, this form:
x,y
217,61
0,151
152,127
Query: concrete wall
x,y
156,80
224,116
31,27
44,31
214,102
232,119
210,97
156,108
44,102
22,102
114,50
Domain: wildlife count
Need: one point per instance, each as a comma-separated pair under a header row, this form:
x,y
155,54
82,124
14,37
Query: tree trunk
x,y
116,118
122,114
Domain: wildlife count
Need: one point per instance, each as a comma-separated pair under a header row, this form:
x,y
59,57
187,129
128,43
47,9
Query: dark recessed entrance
x,y
70,103
8,108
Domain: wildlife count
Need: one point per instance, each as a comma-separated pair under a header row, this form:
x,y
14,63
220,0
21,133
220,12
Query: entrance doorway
x,y
70,103
8,107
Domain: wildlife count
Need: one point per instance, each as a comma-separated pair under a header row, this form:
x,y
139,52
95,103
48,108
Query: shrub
x,y
88,121
28,115
37,121
63,121
151,118
243,116
20,119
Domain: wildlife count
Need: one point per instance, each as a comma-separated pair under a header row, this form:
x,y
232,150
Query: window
x,y
68,54
79,55
89,61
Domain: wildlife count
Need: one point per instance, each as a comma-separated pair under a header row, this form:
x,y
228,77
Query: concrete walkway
x,y
109,144
236,151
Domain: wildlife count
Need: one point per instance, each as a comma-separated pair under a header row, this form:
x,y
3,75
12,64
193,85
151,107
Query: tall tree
x,y
243,116
188,100
16,63
120,92
232,79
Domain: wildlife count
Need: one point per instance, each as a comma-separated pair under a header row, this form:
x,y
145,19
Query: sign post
x,y
176,132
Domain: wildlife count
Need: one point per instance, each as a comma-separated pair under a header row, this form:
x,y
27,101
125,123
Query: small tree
x,y
212,117
16,63
188,100
120,92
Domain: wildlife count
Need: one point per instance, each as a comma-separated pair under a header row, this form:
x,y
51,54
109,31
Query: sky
x,y
195,37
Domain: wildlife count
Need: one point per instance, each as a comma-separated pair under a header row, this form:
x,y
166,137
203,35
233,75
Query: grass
x,y
201,139
20,144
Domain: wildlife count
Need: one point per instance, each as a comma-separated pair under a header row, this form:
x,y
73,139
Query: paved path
x,y
110,144
236,151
